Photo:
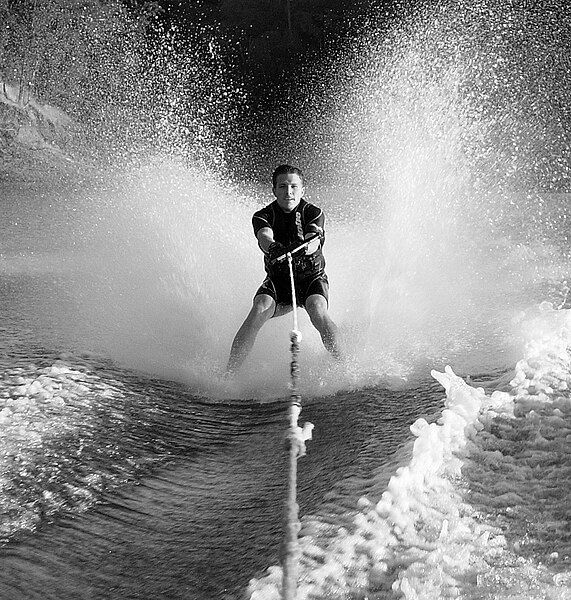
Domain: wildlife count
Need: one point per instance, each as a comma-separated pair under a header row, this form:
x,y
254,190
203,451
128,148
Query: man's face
x,y
288,191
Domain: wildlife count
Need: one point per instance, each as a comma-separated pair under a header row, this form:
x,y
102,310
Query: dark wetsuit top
x,y
309,270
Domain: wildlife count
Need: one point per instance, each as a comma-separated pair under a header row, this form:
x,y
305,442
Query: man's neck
x,y
287,212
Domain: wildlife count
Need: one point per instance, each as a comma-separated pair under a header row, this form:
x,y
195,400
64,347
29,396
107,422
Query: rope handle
x,y
296,249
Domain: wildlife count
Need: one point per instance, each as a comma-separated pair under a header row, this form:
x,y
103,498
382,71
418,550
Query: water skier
x,y
280,227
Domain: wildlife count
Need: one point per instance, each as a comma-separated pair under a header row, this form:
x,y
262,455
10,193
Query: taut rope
x,y
296,439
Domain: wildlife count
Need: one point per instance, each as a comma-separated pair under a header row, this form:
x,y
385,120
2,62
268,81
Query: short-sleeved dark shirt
x,y
289,228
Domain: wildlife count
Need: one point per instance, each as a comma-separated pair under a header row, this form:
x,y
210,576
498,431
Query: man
x,y
280,227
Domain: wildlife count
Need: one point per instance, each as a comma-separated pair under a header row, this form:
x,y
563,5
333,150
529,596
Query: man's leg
x,y
262,310
316,307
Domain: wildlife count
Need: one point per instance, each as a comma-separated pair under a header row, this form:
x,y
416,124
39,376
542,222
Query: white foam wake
x,y
46,433
455,521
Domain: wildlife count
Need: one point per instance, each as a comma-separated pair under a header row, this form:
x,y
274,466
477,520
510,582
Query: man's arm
x,y
274,249
314,226
265,238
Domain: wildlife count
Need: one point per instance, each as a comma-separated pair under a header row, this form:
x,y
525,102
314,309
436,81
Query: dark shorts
x,y
280,289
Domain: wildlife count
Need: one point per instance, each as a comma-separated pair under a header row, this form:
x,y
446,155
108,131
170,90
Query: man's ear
x,y
274,191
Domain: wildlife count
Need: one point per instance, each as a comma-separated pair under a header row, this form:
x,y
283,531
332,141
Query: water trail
x,y
474,513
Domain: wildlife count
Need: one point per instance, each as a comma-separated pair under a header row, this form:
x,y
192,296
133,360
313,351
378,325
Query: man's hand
x,y
314,230
276,250
313,246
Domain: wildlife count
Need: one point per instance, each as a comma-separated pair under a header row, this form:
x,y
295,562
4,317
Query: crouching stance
x,y
280,227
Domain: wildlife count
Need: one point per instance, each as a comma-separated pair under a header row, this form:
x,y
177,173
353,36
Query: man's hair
x,y
285,170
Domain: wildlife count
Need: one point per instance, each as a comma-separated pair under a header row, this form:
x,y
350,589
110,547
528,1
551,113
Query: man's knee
x,y
263,307
316,307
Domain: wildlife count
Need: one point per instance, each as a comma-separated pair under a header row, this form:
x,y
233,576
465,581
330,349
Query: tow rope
x,y
296,437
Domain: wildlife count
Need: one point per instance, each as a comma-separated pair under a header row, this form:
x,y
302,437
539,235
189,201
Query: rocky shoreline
x,y
38,142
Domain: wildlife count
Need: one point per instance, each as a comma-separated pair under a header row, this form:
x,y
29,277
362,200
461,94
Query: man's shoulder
x,y
309,207
265,217
268,209
312,213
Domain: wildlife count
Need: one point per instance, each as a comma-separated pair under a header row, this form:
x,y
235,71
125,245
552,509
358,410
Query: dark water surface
x,y
192,497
